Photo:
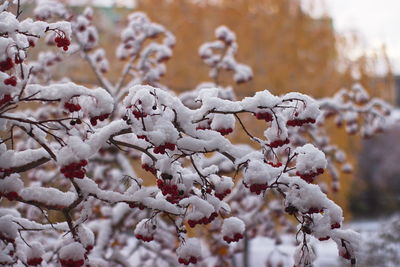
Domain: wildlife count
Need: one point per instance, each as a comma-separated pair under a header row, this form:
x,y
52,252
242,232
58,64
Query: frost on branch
x,y
75,151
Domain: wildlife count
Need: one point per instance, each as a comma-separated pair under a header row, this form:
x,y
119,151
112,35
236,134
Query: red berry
x,y
11,81
34,261
11,195
238,236
93,121
313,210
193,260
170,146
6,64
31,43
6,98
225,131
192,223
264,116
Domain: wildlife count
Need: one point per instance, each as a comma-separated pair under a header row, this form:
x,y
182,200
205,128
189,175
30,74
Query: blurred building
x,y
397,85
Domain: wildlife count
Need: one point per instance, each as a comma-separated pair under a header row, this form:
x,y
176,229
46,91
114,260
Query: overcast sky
x,y
378,21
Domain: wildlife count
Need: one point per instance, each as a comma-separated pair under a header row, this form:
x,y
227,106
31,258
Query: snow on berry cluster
x,y
232,229
145,230
11,186
310,162
189,252
72,255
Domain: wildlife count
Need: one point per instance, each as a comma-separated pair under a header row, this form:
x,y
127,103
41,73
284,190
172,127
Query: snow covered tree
x,y
70,149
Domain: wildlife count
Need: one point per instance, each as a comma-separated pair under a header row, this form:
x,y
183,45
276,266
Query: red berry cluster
x,y
77,121
75,169
134,205
138,114
223,194
203,128
148,168
352,260
225,131
31,42
264,116
335,225
34,261
11,81
6,64
278,143
204,125
6,239
161,148
89,248
188,261
276,165
72,107
71,263
145,238
204,220
256,188
314,210
10,195
93,120
309,177
170,190
143,137
235,238
167,188
62,41
81,28
299,122
6,98
345,255
324,238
